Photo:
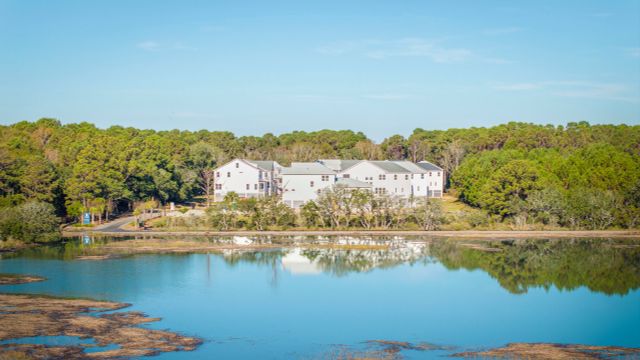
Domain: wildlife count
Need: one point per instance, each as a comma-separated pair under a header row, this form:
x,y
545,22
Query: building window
x,y
406,177
261,186
382,177
346,176
218,186
248,187
421,176
218,174
395,177
255,186
430,173
311,183
325,177
438,173
228,174
380,191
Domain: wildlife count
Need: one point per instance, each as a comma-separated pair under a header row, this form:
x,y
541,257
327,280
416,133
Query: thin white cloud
x,y
435,50
502,31
634,52
148,45
156,46
417,47
577,89
386,96
517,86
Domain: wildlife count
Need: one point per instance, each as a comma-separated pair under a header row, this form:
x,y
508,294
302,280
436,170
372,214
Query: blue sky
x,y
381,67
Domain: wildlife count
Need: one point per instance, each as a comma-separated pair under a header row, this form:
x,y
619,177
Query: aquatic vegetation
x,y
543,351
14,279
25,316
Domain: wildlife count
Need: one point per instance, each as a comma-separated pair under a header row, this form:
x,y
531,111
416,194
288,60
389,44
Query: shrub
x,y
33,221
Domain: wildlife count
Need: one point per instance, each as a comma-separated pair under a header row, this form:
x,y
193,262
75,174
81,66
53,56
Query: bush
x,y
33,221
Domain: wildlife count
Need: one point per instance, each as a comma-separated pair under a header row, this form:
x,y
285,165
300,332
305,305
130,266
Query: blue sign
x,y
86,219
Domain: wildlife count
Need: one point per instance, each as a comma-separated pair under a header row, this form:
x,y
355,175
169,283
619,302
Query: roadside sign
x,y
86,219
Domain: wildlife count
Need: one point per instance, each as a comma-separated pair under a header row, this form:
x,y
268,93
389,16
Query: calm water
x,y
306,303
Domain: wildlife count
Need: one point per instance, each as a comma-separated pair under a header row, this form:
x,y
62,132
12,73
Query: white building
x,y
338,165
247,178
434,178
385,177
427,179
302,182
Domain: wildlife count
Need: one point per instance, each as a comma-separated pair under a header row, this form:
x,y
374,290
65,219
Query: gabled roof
x,y
414,168
338,164
352,183
266,165
389,166
429,166
309,168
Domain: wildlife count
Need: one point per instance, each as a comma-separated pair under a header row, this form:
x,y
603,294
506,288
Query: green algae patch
x,y
25,316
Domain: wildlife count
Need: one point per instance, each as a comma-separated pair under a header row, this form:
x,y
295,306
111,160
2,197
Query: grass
x,y
451,204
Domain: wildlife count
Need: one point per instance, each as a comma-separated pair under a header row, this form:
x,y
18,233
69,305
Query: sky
x,y
380,67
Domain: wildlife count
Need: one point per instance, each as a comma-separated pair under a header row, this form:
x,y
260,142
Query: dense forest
x,y
578,175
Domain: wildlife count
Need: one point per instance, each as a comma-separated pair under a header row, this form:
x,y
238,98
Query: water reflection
x,y
609,266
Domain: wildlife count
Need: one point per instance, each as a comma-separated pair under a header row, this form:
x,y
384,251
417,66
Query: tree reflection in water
x,y
610,266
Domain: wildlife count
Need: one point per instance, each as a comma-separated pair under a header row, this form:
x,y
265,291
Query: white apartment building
x,y
247,178
385,177
434,179
302,182
427,179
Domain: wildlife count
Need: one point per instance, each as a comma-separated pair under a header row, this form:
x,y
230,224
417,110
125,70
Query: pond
x,y
315,298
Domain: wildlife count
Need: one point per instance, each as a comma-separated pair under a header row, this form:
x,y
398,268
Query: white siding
x,y
432,180
395,184
297,189
242,178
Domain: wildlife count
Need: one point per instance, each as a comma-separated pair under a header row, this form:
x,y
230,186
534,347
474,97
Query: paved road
x,y
114,226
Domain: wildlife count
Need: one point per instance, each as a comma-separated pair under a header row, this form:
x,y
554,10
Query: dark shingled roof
x,y
429,166
390,167
266,165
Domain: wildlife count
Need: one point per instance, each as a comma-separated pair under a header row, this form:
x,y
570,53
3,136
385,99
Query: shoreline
x,y
460,233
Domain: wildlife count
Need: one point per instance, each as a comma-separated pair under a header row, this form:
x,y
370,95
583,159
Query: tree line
x,y
506,169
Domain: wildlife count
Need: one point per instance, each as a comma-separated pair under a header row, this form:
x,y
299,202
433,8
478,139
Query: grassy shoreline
x,y
444,233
